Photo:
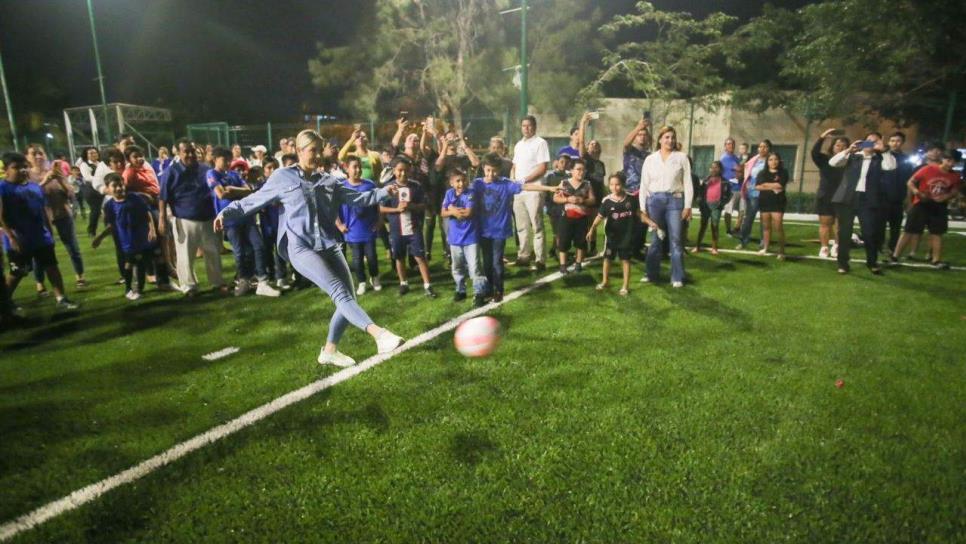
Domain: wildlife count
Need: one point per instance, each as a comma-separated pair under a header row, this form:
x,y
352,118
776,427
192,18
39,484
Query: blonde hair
x,y
660,134
306,138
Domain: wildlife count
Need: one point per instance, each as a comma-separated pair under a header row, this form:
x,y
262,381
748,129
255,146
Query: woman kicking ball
x,y
309,236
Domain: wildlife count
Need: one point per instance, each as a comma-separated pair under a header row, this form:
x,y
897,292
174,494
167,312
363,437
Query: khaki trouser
x,y
528,214
188,237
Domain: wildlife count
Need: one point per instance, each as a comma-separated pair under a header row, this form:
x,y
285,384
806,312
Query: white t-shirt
x,y
528,154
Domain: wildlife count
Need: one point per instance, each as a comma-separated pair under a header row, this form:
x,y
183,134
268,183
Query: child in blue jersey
x,y
494,207
128,218
26,229
246,241
360,227
268,225
462,236
405,210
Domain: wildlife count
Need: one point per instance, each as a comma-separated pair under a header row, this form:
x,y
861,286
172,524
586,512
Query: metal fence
x,y
478,128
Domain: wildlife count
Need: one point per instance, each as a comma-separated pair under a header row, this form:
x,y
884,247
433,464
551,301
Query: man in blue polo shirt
x,y
730,161
185,194
26,229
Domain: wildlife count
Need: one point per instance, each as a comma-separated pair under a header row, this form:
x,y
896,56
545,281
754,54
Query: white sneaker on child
x,y
265,289
823,253
387,341
361,290
376,286
833,251
335,358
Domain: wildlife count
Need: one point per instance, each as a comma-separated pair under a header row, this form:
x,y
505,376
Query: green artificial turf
x,y
708,413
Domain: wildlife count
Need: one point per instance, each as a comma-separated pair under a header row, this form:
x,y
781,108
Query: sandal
x,y
601,286
623,292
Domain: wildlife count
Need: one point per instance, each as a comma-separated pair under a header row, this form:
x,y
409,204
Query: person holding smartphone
x,y
860,195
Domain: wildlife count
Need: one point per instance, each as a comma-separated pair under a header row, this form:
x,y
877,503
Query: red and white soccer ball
x,y
477,337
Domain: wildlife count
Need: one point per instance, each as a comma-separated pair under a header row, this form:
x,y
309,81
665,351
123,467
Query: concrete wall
x,y
619,115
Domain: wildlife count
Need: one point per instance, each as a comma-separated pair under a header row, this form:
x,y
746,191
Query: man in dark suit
x,y
861,194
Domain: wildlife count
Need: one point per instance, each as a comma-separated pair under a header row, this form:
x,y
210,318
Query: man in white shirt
x,y
861,195
531,159
123,141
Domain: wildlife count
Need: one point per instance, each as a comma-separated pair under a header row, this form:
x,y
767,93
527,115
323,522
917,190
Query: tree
x,y
665,55
443,54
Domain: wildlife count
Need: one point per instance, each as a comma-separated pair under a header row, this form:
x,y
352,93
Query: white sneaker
x,y
361,290
376,286
265,289
833,251
336,358
387,341
763,251
282,285
129,295
242,287
645,279
823,253
677,284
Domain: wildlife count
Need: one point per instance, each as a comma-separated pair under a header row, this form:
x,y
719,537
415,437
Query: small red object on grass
x,y
839,384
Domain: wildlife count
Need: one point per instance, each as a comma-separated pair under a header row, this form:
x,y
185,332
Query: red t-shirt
x,y
935,182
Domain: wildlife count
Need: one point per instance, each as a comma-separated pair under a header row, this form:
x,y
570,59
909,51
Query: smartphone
x,y
404,194
595,115
357,126
837,132
404,115
866,144
430,121
647,116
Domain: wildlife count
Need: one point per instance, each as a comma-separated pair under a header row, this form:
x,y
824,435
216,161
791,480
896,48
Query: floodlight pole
x,y
100,73
524,98
6,99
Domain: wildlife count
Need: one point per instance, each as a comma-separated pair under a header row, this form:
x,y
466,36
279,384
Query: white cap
x,y
261,148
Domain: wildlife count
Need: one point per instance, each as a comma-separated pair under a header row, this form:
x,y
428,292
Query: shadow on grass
x,y
472,447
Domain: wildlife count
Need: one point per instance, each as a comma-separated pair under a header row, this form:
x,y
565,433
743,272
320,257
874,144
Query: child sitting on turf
x,y
494,200
128,218
462,238
714,193
359,227
405,210
577,197
620,211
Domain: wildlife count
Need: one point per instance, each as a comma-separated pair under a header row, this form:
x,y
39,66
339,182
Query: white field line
x,y
215,355
93,491
829,259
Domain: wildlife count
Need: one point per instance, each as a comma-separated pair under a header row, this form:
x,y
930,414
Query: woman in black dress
x,y
829,179
771,184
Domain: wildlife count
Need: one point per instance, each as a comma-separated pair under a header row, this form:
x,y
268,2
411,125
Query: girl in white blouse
x,y
666,194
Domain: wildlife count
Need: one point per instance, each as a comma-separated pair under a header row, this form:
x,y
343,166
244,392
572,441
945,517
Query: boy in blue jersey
x,y
26,229
462,236
360,227
246,241
494,200
128,218
406,209
268,225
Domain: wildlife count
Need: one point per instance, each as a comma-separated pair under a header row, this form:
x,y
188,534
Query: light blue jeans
x,y
329,270
467,258
665,209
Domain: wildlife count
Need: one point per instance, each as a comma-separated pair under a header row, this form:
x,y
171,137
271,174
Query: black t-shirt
x,y
554,179
583,190
620,216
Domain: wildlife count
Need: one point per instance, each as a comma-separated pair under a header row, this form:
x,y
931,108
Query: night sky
x,y
237,61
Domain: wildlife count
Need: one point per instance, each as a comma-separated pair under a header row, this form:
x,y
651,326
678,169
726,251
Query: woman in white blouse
x,y
666,194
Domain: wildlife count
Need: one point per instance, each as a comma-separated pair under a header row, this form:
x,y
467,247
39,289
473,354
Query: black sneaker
x,y
892,260
578,268
940,265
563,270
430,293
521,262
875,270
538,267
479,301
459,297
403,289
497,297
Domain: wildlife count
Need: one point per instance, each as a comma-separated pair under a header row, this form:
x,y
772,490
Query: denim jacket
x,y
310,206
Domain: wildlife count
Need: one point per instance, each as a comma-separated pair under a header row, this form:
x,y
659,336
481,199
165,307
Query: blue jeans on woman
x,y
248,249
665,209
750,212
